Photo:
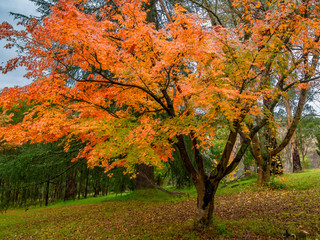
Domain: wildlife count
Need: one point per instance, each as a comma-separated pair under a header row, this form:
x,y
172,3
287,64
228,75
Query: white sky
x,y
14,78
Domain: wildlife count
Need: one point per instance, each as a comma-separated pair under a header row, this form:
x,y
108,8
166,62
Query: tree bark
x,y
264,172
47,192
296,163
87,184
267,163
145,182
205,186
263,163
205,202
71,185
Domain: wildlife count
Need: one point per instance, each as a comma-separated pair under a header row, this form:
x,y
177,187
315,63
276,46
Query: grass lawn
x,y
243,211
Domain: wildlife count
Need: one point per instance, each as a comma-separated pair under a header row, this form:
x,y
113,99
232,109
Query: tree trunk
x,y
206,187
87,183
263,162
296,164
96,188
146,178
80,189
304,162
272,162
47,192
71,185
205,202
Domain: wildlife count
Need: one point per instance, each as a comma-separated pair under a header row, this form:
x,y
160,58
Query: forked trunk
x,y
206,186
263,163
205,202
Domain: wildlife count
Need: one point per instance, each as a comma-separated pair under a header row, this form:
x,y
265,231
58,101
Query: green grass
x,y
304,180
243,210
149,195
296,181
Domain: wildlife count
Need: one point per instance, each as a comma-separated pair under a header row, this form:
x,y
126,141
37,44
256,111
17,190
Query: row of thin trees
x,y
43,173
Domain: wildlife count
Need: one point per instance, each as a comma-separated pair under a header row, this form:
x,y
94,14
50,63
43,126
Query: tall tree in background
x,y
132,92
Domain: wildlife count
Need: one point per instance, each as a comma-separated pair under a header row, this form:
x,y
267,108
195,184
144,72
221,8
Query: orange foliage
x,y
115,81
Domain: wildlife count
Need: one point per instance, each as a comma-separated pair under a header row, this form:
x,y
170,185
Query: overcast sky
x,y
14,78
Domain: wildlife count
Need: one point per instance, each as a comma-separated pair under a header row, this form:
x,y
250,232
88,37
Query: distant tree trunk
x,y
47,192
60,188
71,184
303,161
107,186
296,163
87,183
152,13
145,176
80,185
303,148
96,187
246,165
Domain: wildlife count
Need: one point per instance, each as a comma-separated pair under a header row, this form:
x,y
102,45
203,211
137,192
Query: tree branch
x,y
210,11
294,124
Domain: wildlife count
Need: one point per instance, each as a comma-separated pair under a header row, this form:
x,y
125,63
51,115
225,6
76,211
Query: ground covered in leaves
x,y
241,213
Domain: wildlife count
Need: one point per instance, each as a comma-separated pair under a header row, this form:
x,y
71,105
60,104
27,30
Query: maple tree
x,y
298,54
133,91
298,62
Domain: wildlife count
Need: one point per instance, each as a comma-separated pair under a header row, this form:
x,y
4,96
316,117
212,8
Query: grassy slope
x,y
242,211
